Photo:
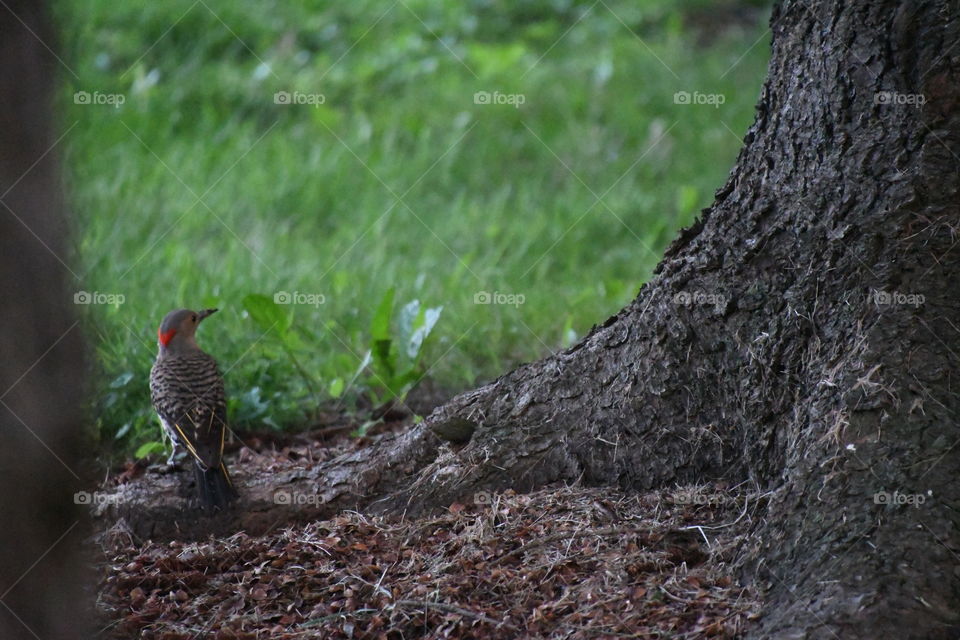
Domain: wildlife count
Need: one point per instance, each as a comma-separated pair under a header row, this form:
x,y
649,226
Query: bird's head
x,y
176,332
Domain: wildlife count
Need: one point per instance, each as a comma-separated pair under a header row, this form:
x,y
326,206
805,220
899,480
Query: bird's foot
x,y
170,466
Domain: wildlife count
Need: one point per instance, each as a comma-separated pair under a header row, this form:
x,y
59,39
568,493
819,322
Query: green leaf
x,y
365,427
380,332
380,327
267,313
367,358
336,387
121,380
382,358
122,431
426,324
404,382
407,322
250,404
149,448
294,341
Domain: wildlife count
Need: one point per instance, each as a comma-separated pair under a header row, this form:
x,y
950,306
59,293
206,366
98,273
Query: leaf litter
x,y
561,562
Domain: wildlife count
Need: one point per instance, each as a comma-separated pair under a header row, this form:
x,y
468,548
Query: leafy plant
x,y
277,322
395,358
150,448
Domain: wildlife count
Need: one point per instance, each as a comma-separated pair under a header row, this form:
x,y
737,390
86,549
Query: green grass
x,y
307,198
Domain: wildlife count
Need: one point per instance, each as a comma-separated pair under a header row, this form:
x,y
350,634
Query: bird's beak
x,y
206,312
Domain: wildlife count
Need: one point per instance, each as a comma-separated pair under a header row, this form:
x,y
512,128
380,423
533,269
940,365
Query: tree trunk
x,y
803,336
40,581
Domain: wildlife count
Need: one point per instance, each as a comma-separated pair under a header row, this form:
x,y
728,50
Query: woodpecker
x,y
187,392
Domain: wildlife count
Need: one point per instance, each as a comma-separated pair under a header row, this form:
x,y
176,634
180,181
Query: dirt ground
x,y
563,562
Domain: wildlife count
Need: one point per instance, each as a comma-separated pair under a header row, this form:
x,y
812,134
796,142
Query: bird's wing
x,y
188,394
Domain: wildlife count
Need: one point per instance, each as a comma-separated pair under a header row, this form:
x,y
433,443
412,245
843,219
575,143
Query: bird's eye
x,y
194,318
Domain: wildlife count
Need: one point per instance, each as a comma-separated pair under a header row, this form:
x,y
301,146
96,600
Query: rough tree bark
x,y
803,335
788,366
40,578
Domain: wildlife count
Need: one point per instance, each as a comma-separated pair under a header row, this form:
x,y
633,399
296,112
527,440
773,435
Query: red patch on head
x,y
165,338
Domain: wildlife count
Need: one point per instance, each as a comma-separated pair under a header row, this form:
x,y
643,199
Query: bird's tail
x,y
214,485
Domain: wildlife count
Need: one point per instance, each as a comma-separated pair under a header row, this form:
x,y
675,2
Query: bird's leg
x,y
171,461
176,449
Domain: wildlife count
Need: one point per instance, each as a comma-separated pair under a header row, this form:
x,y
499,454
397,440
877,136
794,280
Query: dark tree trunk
x,y
803,335
787,366
41,370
